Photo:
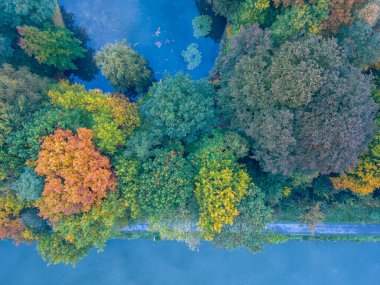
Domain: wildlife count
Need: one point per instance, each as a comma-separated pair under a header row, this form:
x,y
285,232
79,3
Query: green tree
x,y
28,186
225,7
21,92
362,43
25,143
16,12
165,182
125,68
55,46
179,108
201,26
304,17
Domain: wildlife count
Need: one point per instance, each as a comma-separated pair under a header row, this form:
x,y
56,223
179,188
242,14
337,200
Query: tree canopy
x,y
305,107
125,68
55,46
77,176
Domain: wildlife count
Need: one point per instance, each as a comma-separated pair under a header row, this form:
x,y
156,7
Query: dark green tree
x,y
16,12
225,7
165,183
179,108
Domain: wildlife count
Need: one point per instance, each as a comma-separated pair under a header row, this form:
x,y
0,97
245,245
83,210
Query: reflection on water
x,y
145,262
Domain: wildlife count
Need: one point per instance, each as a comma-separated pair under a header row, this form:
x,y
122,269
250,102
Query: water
x,y
145,262
146,25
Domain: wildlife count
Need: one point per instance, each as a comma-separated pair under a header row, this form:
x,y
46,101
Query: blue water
x,y
145,263
145,24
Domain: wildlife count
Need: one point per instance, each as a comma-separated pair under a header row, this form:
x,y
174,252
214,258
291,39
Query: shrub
x,y
192,56
202,26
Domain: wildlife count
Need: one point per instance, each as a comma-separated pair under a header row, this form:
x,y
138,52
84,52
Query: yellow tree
x,y
221,183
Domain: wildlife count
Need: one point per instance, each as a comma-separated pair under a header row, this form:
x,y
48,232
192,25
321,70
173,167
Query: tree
x,y
362,43
29,186
341,13
21,92
192,56
249,228
55,46
225,7
16,12
127,172
77,176
179,108
25,143
165,183
365,177
306,109
220,184
75,235
125,68
114,116
300,18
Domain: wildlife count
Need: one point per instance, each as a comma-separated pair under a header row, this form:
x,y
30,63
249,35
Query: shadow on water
x,y
218,22
87,69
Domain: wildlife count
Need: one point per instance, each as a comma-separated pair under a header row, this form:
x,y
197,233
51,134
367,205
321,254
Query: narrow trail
x,y
298,229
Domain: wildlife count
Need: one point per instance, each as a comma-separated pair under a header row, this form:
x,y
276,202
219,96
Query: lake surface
x,y
146,262
157,29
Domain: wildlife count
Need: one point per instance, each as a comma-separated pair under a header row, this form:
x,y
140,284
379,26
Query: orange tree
x,y
77,176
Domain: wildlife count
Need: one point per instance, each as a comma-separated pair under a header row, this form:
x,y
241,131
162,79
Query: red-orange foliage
x,y
341,13
77,175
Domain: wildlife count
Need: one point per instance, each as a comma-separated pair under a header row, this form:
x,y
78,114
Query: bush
x,y
192,56
201,26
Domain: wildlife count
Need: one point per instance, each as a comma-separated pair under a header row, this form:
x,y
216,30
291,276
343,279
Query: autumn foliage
x,y
341,13
77,175
10,223
114,116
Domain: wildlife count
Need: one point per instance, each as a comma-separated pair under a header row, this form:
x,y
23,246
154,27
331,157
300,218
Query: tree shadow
x,y
218,22
86,66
